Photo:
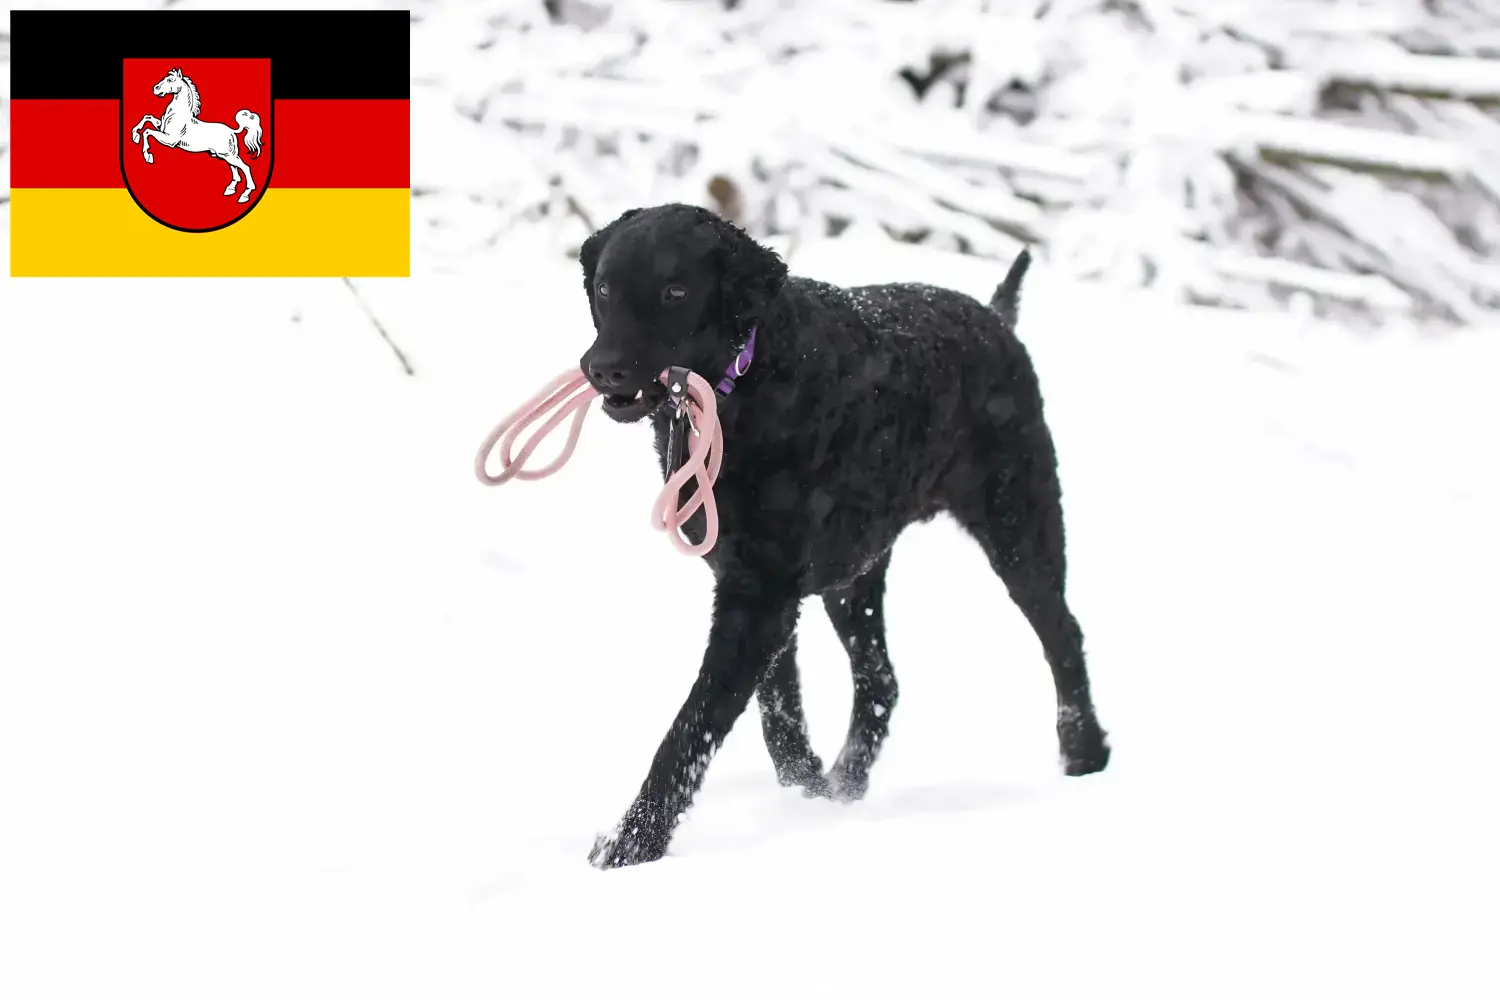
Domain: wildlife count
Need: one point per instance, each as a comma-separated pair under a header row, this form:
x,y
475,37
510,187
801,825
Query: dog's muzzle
x,y
627,408
627,394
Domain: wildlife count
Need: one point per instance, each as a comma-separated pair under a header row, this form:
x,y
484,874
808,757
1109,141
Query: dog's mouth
x,y
627,409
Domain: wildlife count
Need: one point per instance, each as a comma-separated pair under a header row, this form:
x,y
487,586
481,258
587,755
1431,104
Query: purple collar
x,y
739,366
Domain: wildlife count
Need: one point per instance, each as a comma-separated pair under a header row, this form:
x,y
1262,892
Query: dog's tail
x,y
1008,296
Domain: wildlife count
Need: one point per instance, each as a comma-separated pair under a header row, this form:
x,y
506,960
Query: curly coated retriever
x,y
862,410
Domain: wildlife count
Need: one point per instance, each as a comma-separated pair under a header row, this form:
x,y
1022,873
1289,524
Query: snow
x,y
292,706
1125,142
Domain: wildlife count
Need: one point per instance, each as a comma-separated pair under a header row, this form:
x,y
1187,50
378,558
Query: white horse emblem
x,y
179,128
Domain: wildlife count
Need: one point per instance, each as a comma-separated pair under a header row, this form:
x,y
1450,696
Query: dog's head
x,y
672,285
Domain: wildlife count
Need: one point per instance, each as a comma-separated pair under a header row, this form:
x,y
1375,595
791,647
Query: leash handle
x,y
569,395
558,393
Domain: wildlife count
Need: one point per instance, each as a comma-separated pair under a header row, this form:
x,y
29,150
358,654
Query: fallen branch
x,y
1462,123
1442,76
1383,236
379,328
983,238
1022,219
1349,146
1371,289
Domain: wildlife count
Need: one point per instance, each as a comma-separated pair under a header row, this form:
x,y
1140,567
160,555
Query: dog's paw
x,y
1085,748
806,772
628,845
847,784
1095,760
816,787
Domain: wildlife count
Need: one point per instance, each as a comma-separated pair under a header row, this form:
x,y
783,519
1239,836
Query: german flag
x,y
225,143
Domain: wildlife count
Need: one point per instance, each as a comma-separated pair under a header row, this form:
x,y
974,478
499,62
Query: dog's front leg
x,y
749,631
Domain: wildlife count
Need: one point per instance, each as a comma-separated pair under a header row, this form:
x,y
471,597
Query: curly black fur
x,y
864,410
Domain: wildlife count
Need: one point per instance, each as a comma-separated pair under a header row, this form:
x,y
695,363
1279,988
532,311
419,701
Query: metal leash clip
x,y
677,391
677,439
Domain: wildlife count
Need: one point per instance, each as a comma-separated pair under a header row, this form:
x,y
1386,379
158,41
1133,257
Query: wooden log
x,y
1373,289
1460,122
1392,252
1349,145
1386,70
1276,22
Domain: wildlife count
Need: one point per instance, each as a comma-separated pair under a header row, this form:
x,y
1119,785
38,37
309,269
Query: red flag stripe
x,y
65,144
319,144
343,144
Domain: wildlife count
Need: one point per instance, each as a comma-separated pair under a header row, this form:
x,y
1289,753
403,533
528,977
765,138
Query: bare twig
x,y
379,328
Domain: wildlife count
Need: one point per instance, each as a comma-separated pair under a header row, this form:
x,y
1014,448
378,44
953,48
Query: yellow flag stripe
x,y
293,232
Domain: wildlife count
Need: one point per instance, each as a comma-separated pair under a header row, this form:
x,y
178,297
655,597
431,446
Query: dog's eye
x,y
673,293
603,290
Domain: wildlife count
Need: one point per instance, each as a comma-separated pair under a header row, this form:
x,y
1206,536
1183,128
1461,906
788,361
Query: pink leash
x,y
570,395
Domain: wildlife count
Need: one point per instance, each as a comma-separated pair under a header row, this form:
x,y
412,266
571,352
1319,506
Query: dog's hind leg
x,y
1017,519
785,726
751,628
858,615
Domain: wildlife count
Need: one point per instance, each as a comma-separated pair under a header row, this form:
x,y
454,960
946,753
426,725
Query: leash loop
x,y
557,394
570,395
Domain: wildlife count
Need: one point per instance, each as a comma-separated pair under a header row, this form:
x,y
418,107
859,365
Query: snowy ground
x,y
292,707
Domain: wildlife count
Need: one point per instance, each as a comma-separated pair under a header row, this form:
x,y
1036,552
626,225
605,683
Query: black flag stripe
x,y
327,54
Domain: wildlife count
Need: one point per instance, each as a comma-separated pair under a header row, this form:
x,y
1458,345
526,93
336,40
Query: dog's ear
x,y
750,275
588,254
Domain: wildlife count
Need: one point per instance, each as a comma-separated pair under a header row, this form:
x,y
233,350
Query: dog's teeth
x,y
638,394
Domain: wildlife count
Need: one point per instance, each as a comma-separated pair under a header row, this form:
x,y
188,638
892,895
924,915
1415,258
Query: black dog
x,y
862,411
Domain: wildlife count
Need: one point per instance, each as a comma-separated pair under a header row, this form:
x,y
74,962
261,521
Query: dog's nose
x,y
608,374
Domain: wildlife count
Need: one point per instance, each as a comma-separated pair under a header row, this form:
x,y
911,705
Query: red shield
x,y
196,138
